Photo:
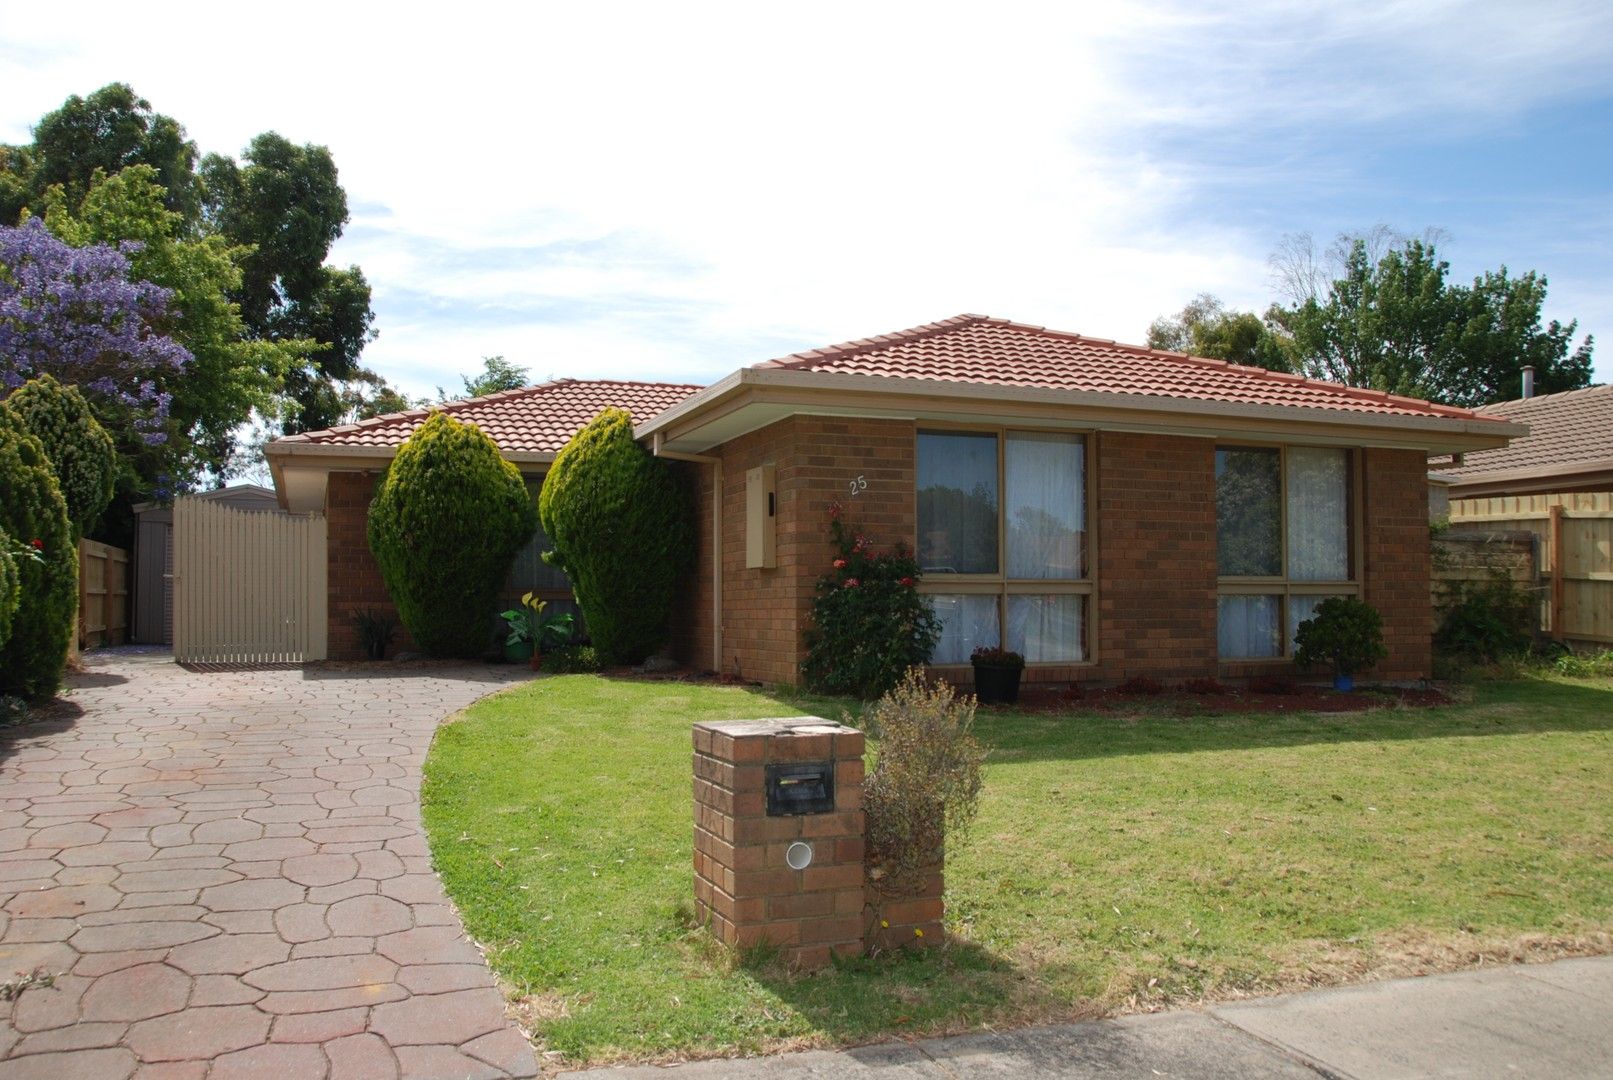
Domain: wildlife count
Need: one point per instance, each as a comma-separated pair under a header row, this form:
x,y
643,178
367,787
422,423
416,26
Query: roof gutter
x,y
877,386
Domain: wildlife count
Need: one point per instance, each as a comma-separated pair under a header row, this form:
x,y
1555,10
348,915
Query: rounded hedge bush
x,y
80,451
10,591
621,529
33,511
448,518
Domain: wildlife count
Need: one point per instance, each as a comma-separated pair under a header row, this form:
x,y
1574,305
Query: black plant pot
x,y
997,685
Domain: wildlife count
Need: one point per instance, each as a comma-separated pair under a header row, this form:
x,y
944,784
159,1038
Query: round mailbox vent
x,y
798,855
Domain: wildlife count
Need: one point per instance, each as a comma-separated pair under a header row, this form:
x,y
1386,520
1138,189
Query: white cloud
x,y
667,191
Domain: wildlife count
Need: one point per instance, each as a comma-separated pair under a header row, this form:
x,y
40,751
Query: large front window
x,y
1002,542
1283,525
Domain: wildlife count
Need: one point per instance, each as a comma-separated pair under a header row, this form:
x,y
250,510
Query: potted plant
x,y
1346,632
997,674
531,631
375,630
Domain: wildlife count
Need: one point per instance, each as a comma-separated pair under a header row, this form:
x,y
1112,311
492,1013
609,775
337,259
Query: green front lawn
x,y
1118,861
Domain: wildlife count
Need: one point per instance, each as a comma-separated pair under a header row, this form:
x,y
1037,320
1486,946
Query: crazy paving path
x,y
226,873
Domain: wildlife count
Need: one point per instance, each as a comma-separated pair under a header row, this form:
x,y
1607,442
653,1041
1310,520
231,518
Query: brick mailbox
x,y
778,835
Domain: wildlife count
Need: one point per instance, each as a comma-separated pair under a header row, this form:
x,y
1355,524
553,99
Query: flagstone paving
x,y
226,874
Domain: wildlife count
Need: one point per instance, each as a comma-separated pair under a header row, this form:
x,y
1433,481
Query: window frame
x,y
1282,586
999,584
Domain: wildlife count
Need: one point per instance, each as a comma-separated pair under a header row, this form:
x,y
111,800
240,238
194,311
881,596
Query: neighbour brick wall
x,y
1156,568
354,579
1398,559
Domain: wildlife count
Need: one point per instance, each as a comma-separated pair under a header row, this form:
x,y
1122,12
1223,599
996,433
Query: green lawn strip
x,y
1117,859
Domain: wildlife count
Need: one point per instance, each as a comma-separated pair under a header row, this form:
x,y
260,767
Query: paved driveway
x,y
227,873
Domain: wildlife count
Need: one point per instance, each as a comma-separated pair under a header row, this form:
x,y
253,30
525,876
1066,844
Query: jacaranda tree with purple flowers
x,y
74,313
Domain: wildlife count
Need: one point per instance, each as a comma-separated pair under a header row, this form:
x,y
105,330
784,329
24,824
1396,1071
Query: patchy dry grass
x,y
1120,862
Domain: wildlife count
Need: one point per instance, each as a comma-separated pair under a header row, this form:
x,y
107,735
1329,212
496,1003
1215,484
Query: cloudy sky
x,y
668,191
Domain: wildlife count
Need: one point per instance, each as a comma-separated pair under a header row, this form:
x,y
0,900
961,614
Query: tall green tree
x,y
230,374
1204,327
108,131
497,374
81,454
287,203
1396,322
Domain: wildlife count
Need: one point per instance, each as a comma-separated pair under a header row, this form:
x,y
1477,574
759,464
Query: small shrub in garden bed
x,y
925,786
571,660
1486,620
1345,633
1595,665
869,623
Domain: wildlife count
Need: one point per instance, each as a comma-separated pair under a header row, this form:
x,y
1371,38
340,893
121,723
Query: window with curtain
x,y
1005,511
1283,527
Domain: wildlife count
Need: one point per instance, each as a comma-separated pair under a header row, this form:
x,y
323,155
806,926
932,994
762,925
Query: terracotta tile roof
x,y
983,350
1566,429
536,419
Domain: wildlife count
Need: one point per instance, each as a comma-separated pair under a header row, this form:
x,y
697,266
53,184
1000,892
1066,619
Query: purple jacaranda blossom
x,y
73,313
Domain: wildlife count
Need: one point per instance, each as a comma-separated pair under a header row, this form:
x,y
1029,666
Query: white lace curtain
x,y
1047,629
1318,514
1247,627
967,622
1046,505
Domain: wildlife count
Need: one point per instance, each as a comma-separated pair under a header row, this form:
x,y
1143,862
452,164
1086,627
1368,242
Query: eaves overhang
x,y
752,398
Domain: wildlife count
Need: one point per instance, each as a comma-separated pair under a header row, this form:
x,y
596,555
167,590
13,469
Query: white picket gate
x,y
249,585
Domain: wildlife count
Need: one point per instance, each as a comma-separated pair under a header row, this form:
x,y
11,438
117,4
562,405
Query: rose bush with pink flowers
x,y
869,623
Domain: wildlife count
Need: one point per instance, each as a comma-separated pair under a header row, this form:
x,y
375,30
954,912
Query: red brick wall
x,y
1154,564
354,579
1156,568
766,610
1398,558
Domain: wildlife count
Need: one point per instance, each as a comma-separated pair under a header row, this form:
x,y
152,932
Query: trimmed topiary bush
x,y
1345,633
448,518
33,511
621,529
10,583
80,451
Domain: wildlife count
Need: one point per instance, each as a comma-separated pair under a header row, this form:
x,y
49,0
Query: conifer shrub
x,y
81,452
448,518
10,585
622,532
34,513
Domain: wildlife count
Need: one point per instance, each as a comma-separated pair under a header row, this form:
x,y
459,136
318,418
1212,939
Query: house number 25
x,y
857,486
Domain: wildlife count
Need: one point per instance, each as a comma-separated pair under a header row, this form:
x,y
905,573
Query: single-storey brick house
x,y
1109,511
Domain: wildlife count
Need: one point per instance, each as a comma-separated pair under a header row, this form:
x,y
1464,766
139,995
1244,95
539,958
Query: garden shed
x,y
1110,511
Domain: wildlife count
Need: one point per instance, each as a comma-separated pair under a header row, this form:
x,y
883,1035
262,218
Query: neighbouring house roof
x,y
1570,441
533,420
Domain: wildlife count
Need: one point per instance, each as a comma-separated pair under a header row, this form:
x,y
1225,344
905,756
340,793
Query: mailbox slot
x,y
805,788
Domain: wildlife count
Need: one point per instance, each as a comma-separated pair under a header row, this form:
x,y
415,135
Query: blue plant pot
x,y
1344,683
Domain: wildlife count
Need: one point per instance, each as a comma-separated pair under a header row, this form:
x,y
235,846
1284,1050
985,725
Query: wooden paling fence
x,y
1574,542
249,585
103,594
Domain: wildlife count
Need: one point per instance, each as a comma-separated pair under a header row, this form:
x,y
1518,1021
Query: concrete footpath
x,y
1539,1020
